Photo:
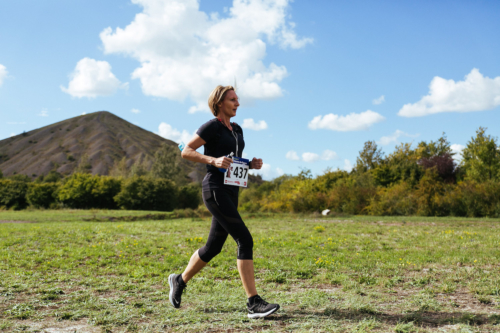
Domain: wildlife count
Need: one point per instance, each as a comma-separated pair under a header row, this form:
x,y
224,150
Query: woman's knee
x,y
245,247
208,253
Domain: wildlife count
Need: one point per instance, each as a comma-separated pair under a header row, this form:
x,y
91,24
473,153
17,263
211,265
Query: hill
x,y
98,139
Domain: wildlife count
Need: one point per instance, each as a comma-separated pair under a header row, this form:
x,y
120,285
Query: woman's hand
x,y
222,162
256,163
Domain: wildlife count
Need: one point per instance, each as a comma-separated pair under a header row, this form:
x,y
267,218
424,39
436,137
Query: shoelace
x,y
259,303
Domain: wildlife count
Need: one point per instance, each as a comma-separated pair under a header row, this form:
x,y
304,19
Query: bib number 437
x,y
237,174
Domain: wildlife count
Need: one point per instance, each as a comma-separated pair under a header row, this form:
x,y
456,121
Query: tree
x,y
435,148
400,165
120,169
166,164
369,158
84,165
481,158
438,155
139,168
428,193
1,174
444,165
305,174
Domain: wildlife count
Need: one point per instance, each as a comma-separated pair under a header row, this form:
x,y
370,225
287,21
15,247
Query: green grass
x,y
69,215
340,274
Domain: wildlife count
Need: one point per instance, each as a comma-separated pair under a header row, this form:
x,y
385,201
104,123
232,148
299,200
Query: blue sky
x,y
308,72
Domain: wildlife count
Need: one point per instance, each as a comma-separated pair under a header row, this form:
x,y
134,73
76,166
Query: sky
x,y
316,79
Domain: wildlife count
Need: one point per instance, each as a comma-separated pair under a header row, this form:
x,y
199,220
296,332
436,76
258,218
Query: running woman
x,y
220,138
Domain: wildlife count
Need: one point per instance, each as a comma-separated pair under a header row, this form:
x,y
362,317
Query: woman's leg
x,y
199,259
245,267
223,206
195,265
215,241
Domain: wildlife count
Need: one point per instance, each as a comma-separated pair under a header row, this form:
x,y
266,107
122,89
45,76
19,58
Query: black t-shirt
x,y
220,141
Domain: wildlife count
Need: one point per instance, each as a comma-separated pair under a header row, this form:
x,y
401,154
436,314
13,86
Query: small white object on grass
x,y
325,212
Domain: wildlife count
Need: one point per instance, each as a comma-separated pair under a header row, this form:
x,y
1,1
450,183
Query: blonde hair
x,y
217,96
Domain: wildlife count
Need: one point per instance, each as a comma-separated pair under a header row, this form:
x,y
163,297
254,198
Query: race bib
x,y
237,173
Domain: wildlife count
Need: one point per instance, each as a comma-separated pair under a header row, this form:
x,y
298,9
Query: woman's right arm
x,y
190,153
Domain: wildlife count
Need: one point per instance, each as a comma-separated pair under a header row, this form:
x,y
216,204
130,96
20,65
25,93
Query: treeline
x,y
423,180
162,187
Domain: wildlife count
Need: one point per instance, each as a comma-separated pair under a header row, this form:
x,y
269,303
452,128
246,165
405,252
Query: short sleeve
x,y
208,130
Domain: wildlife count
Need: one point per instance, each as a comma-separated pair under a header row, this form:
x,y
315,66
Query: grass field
x,y
65,273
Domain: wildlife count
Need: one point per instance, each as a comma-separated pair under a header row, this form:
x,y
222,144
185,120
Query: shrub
x,y
200,212
319,228
21,178
429,191
42,195
13,193
350,197
52,177
472,199
249,200
273,196
335,190
189,196
302,196
82,190
145,193
395,200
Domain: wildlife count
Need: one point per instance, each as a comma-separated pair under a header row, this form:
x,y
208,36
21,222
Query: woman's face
x,y
229,105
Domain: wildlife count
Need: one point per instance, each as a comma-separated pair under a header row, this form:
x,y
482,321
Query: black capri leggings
x,y
223,204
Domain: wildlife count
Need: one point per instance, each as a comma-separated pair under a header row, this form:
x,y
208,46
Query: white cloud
x,y
385,140
267,172
351,122
475,93
84,113
379,100
92,78
292,155
12,134
168,132
3,73
135,111
457,149
44,113
310,157
347,165
329,155
185,53
251,124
